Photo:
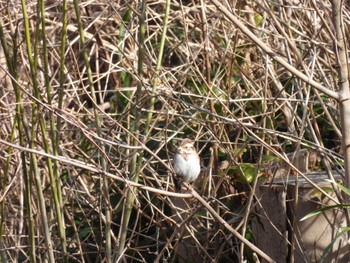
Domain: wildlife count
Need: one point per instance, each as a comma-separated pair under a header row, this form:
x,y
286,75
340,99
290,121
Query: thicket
x,y
95,96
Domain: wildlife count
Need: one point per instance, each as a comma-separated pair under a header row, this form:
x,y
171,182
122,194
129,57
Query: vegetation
x,y
96,95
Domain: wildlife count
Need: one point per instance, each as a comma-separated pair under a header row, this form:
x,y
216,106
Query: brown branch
x,y
229,227
343,82
272,54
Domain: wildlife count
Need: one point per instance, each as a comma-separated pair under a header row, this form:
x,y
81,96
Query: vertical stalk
x,y
21,120
62,75
104,183
35,111
54,174
136,158
136,163
159,64
214,152
344,90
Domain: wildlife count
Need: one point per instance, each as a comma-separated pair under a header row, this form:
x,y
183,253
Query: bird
x,y
186,163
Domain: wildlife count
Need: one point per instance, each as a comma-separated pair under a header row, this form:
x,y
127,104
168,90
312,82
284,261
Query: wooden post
x,y
275,214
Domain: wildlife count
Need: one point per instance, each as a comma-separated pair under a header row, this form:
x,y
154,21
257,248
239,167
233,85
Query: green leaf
x,y
323,209
247,172
258,19
342,187
85,232
270,157
342,231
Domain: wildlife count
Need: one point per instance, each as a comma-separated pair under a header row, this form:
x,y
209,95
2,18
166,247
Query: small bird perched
x,y
186,163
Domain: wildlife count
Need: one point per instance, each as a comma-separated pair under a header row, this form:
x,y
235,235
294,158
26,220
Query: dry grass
x,y
215,85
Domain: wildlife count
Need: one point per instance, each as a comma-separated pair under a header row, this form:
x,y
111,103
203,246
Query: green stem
x,y
20,121
54,173
136,162
134,129
104,183
159,64
36,111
